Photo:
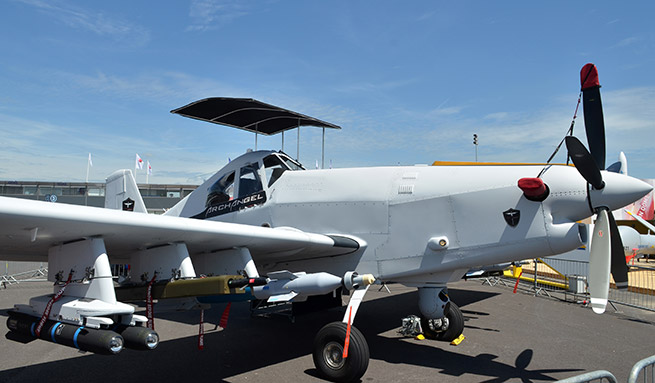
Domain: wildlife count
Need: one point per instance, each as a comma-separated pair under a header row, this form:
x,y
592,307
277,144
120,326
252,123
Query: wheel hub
x,y
333,355
439,324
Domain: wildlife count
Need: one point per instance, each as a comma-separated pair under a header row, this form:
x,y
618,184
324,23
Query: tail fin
x,y
122,192
621,166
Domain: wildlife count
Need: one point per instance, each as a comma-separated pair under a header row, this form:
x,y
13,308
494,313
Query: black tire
x,y
328,351
452,332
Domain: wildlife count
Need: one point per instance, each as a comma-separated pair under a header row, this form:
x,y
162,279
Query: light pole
x,y
475,142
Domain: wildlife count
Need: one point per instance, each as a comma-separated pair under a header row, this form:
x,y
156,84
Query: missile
x,y
99,341
285,285
243,282
138,337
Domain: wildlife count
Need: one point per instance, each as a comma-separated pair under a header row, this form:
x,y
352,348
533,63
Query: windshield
x,y
276,164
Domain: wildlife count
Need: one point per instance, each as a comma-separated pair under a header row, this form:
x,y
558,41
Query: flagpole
x,y
88,164
147,172
86,186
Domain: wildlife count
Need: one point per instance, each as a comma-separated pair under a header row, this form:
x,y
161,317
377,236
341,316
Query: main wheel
x,y
448,328
328,353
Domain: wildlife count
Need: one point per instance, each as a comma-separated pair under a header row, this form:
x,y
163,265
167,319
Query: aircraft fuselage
x,y
420,224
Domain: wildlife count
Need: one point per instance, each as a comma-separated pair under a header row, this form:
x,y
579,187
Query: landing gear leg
x,y
328,353
447,328
333,339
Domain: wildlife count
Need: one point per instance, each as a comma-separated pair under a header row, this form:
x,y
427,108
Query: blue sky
x,y
409,81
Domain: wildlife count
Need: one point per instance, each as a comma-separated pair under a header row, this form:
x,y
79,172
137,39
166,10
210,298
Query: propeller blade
x,y
599,263
619,268
584,162
593,113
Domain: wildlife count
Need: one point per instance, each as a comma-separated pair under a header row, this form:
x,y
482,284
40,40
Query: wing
x,y
648,225
29,228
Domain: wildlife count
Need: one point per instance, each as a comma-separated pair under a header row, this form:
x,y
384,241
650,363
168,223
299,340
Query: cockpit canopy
x,y
246,179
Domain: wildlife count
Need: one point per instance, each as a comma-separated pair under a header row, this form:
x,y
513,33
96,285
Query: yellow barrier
x,y
509,274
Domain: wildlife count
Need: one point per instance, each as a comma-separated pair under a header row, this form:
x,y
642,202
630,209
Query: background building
x,y
157,198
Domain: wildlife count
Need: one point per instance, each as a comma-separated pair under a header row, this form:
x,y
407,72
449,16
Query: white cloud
x,y
628,41
96,22
212,14
153,86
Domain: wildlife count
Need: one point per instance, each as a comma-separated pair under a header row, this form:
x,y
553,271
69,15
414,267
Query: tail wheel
x,y
328,353
448,328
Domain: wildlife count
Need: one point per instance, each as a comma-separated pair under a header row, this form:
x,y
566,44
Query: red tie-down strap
x,y
222,324
201,331
516,286
149,304
48,307
347,341
224,317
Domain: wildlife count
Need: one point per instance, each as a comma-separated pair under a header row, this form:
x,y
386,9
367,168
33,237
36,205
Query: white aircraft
x,y
286,233
636,244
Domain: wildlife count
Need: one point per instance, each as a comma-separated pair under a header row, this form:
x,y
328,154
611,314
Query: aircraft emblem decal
x,y
233,205
128,204
512,217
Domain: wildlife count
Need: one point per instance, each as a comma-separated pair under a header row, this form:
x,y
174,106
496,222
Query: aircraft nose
x,y
620,190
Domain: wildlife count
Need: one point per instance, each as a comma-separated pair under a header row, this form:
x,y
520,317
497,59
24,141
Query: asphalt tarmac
x,y
509,338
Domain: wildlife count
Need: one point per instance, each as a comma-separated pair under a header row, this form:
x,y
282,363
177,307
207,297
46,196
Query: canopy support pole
x,y
298,144
323,151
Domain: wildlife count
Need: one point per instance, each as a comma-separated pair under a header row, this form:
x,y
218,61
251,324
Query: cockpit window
x,y
221,191
249,181
274,167
276,164
292,164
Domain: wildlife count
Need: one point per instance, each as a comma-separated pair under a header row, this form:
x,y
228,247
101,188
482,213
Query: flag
x,y
139,162
90,162
149,168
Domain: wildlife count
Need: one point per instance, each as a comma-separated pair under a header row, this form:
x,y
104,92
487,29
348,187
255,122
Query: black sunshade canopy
x,y
248,114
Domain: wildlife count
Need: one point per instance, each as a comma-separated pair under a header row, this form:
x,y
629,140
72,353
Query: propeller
x,y
584,162
593,113
606,245
619,267
599,263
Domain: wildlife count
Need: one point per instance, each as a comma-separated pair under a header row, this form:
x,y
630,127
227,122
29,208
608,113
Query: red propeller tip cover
x,y
589,76
532,187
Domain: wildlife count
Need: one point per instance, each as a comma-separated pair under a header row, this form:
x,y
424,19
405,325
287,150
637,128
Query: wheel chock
x,y
458,340
420,337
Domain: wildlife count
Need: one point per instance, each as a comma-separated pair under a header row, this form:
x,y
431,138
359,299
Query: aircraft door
x,y
250,182
250,196
221,191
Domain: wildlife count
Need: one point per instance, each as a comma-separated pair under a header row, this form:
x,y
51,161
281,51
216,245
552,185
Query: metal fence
x,y
569,277
16,272
642,371
594,376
